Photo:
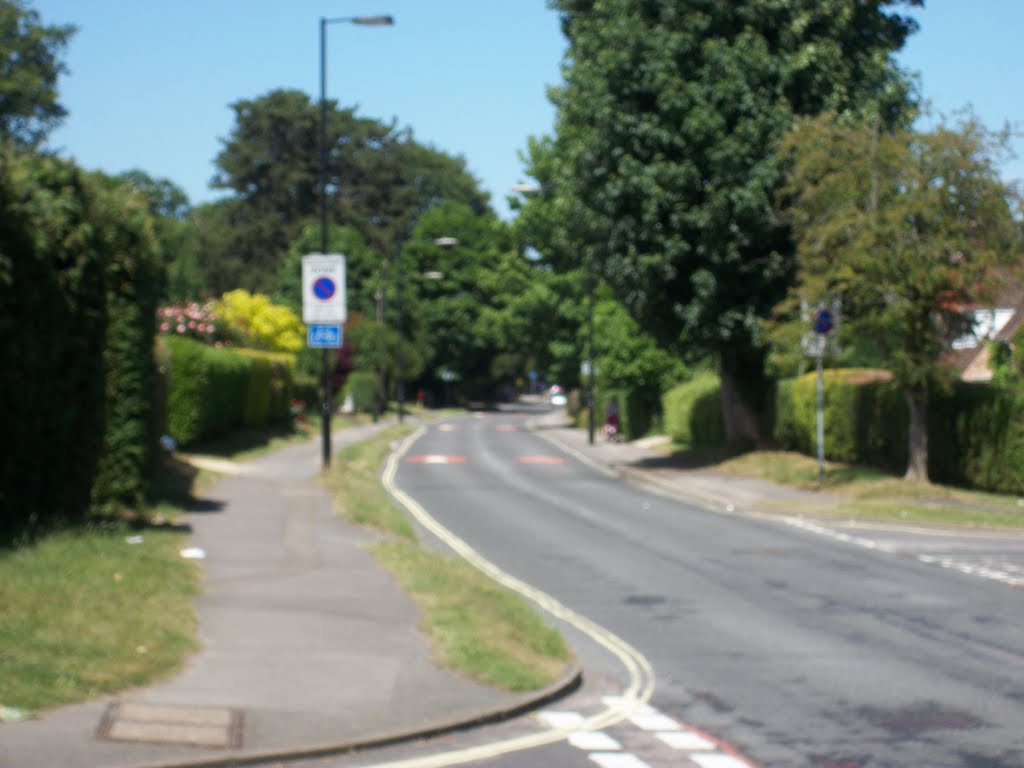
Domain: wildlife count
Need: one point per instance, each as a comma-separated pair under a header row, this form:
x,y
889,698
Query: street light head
x,y
446,241
374,21
526,188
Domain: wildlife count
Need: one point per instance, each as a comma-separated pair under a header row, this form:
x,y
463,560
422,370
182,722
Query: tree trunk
x,y
742,423
917,448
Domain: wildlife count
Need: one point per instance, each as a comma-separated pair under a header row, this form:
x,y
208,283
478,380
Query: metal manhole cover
x,y
163,724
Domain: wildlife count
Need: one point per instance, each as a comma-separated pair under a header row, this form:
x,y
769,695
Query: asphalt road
x,y
794,648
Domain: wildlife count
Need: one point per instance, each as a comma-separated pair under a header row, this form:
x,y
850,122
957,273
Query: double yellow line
x,y
640,672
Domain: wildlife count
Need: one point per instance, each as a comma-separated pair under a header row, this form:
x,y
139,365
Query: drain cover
x,y
162,724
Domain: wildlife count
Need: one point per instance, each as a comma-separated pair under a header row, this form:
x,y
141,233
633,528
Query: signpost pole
x,y
821,418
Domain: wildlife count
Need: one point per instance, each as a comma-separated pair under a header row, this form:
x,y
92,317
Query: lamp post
x,y
365,21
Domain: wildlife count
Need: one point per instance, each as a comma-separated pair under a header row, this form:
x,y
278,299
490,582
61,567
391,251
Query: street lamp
x,y
526,189
365,21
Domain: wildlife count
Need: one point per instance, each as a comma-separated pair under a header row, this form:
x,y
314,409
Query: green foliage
x,y
386,181
683,418
29,68
259,324
78,287
663,172
134,278
212,390
362,388
52,329
975,431
976,437
908,228
865,417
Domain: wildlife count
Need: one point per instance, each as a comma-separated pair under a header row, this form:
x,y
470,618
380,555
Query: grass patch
x,y
354,481
869,494
477,626
84,613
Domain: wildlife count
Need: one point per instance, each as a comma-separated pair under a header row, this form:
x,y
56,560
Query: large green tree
x,y
663,170
176,234
29,67
379,180
909,230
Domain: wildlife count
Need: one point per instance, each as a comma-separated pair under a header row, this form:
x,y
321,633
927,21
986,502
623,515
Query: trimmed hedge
x,y
865,417
976,437
636,413
212,391
693,413
362,386
975,431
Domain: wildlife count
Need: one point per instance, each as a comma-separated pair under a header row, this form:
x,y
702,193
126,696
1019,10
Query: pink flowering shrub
x,y
194,320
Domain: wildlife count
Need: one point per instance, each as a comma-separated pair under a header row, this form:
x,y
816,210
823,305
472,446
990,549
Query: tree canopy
x,y
909,229
379,180
663,168
29,67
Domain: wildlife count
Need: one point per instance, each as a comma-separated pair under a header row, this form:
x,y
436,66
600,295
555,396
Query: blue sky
x,y
150,83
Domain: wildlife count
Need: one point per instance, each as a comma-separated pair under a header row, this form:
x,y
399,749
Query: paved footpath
x,y
305,643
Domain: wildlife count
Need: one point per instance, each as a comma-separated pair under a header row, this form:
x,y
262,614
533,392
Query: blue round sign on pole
x,y
324,288
823,321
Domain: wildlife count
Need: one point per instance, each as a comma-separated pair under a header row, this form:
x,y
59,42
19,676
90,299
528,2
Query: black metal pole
x,y
590,351
400,361
325,417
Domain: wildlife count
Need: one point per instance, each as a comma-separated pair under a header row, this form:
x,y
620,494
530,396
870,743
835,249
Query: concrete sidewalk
x,y
646,463
307,645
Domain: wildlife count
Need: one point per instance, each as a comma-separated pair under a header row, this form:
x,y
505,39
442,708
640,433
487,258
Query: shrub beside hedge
x,y
362,386
693,413
636,412
211,391
975,431
865,417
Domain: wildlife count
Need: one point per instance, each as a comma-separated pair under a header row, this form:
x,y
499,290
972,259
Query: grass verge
x,y
477,627
868,494
84,613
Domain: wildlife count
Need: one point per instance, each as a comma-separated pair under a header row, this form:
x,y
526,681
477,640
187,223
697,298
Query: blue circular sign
x,y
324,288
823,321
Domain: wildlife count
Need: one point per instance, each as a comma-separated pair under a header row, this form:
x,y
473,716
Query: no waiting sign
x,y
323,289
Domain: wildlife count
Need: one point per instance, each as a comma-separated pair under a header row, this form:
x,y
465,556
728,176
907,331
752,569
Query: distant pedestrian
x,y
611,420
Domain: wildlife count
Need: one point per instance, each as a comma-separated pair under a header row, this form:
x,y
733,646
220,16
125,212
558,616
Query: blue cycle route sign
x,y
323,336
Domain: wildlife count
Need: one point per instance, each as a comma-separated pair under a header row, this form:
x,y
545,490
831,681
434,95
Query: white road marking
x,y
566,721
618,760
654,722
594,741
686,740
718,760
984,572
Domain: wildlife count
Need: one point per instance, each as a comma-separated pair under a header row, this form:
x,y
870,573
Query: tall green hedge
x,y
976,437
78,275
134,275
